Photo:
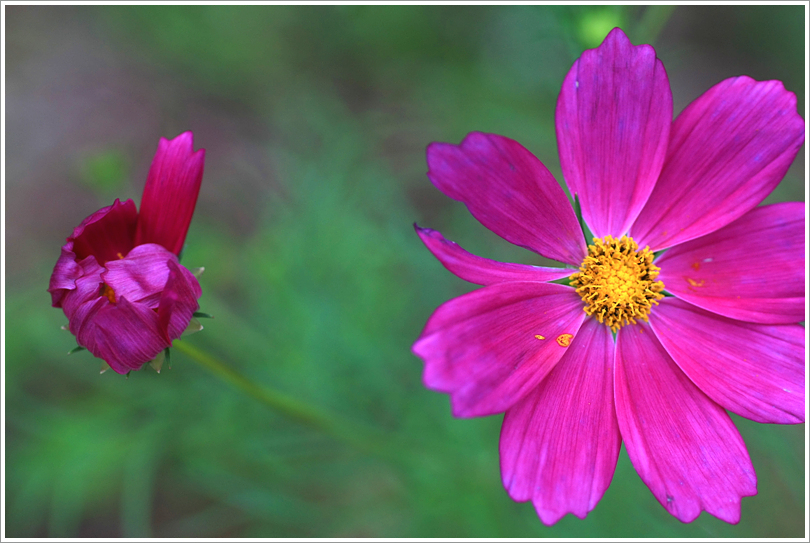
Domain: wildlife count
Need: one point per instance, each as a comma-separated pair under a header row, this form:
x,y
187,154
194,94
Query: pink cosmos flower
x,y
579,367
118,279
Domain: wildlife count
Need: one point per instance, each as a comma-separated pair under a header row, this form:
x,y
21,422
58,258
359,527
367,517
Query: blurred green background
x,y
315,120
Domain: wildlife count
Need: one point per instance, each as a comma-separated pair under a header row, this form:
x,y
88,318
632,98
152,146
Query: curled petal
x,y
123,332
170,194
559,444
510,192
125,335
727,151
141,275
753,370
178,302
491,347
752,269
82,302
613,120
63,277
483,271
682,444
107,234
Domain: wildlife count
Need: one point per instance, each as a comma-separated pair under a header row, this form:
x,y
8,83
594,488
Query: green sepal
x,y
201,315
585,230
565,280
168,357
76,349
157,362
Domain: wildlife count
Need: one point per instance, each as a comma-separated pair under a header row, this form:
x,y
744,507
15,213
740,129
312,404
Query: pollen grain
x,y
618,282
564,340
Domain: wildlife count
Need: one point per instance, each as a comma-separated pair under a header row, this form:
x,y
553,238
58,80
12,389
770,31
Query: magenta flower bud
x,y
118,279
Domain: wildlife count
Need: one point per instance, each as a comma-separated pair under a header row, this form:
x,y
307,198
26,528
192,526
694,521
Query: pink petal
x,y
170,194
84,300
753,370
560,443
506,188
178,302
752,269
125,335
728,150
63,277
613,119
483,271
141,276
491,347
682,444
106,234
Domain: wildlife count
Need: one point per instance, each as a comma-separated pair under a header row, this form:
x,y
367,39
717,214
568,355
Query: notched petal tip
x,y
507,189
569,471
735,142
170,194
612,121
482,350
754,370
690,464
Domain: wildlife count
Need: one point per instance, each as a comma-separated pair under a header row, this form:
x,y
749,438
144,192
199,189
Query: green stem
x,y
360,437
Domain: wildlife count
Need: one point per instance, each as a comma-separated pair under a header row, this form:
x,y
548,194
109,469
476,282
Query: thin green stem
x,y
353,434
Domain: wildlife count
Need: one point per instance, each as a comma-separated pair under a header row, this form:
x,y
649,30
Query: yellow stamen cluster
x,y
617,281
107,292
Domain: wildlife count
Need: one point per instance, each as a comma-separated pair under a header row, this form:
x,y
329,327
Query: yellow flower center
x,y
617,281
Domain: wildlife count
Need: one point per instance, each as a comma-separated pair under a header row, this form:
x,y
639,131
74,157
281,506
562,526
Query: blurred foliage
x,y
105,171
324,294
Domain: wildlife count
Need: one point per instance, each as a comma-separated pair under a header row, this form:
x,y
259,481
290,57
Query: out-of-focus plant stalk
x,y
653,20
358,436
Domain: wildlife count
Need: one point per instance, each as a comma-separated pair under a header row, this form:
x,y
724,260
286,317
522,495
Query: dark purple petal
x,y
131,311
752,269
142,275
682,444
125,335
560,443
107,234
728,150
506,188
483,271
753,370
122,334
170,194
491,347
178,302
613,119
